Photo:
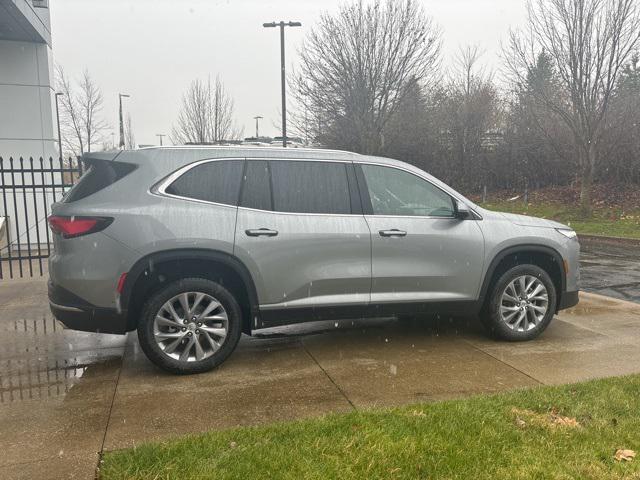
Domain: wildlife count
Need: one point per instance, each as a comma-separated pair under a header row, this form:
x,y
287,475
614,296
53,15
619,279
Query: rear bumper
x,y
568,300
77,314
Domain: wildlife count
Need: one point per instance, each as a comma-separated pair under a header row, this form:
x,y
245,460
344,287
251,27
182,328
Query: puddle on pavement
x,y
41,360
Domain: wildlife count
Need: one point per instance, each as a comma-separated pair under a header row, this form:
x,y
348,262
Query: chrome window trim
x,y
273,212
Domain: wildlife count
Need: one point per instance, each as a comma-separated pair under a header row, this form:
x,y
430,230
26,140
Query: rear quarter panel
x,y
144,223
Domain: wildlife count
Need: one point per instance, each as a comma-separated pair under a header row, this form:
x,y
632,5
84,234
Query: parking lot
x,y
66,396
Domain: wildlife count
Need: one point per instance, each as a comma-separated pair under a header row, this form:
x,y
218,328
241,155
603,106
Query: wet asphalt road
x,y
610,268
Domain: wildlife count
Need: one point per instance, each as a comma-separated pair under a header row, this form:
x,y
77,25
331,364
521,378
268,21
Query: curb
x,y
600,296
614,240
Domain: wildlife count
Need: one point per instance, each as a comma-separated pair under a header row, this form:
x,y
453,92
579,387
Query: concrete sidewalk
x,y
66,396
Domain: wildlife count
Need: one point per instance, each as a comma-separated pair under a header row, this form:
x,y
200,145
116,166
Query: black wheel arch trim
x,y
525,248
163,256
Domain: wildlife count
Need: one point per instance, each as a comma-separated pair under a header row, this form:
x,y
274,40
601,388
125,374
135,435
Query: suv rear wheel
x,y
521,304
190,326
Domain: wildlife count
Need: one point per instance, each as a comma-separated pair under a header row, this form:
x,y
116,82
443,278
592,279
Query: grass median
x,y
563,432
605,221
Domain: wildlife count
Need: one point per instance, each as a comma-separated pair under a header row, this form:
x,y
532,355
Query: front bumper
x,y
568,300
77,314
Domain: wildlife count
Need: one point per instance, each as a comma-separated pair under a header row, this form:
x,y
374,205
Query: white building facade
x,y
27,98
28,129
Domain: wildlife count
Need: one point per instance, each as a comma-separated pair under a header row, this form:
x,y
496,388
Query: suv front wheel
x,y
521,305
190,326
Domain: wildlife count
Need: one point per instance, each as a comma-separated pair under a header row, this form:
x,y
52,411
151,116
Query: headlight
x,y
567,232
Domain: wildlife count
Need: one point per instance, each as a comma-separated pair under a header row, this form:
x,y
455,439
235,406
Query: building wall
x,y
27,107
26,77
27,112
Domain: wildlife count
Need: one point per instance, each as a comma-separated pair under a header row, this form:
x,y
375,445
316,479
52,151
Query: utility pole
x,y
120,96
59,94
282,24
257,119
161,135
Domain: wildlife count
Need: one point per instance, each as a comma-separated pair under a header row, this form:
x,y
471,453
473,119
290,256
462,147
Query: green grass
x,y
475,438
606,221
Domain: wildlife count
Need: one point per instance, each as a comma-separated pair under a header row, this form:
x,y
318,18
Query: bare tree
x,y
81,113
473,108
206,115
589,42
91,102
71,129
356,67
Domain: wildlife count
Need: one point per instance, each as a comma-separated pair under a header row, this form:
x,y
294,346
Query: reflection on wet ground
x,y
56,388
40,359
611,268
65,396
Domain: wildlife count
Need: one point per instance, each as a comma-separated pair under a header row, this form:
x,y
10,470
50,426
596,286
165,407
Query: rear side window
x,y
256,190
100,174
216,181
310,187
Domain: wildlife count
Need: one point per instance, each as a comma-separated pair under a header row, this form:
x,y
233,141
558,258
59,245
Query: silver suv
x,y
192,246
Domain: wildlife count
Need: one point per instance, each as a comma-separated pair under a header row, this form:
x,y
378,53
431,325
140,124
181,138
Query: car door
x,y
420,251
301,232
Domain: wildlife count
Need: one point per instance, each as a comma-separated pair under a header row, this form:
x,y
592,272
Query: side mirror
x,y
462,211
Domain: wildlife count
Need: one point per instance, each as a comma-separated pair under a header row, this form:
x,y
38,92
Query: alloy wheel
x,y
191,326
524,303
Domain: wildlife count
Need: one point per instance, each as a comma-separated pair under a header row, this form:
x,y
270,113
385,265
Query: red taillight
x,y
70,227
121,281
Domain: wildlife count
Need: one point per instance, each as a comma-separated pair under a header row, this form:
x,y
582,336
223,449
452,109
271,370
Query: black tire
x,y
155,302
492,318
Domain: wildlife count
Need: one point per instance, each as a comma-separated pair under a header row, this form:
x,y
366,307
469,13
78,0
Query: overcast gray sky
x,y
152,49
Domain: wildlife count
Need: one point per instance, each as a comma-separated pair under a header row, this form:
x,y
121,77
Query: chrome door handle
x,y
261,232
393,233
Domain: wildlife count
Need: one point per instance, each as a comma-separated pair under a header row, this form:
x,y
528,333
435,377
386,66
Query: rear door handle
x,y
261,232
393,233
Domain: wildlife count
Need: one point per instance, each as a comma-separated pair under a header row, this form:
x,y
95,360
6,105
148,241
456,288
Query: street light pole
x,y
161,135
257,119
59,94
282,24
121,144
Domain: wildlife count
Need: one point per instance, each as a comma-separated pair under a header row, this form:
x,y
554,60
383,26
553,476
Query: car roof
x,y
254,151
197,152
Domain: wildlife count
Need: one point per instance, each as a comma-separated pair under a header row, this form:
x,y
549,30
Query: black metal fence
x,y
29,187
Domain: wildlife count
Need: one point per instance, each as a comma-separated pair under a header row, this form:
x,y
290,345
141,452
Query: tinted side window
x,y
217,181
396,192
256,190
310,187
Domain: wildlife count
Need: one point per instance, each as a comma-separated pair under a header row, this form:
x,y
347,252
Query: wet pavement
x,y
67,396
611,268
